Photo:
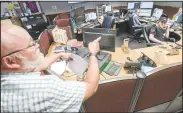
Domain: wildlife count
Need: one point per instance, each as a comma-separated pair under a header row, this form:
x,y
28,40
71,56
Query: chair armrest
x,y
152,44
137,30
50,26
171,39
137,27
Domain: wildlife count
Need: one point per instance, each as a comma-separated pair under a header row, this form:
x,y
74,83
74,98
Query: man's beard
x,y
28,65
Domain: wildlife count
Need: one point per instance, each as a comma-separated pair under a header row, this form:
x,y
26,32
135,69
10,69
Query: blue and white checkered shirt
x,y
30,92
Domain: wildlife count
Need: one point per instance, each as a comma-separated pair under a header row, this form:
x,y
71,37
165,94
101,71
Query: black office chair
x,y
164,15
134,30
108,22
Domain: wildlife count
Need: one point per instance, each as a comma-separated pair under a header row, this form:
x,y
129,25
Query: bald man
x,y
23,89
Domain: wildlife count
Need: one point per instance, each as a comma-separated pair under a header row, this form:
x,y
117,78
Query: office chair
x,y
62,22
134,30
108,22
64,15
164,15
45,40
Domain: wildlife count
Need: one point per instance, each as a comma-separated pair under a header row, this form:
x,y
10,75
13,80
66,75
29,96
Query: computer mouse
x,y
140,74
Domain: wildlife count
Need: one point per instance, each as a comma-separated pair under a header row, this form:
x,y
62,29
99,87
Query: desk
x,y
121,57
97,25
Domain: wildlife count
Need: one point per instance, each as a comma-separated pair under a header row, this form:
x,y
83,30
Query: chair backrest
x,y
68,32
62,22
63,15
160,86
112,97
108,22
130,24
45,40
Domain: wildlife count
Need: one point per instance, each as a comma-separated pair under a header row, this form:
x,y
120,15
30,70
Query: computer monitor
x,y
133,5
145,12
137,5
90,16
148,5
100,30
72,13
106,43
79,11
80,20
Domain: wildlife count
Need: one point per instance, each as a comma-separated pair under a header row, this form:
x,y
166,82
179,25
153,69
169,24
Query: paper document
x,y
146,69
59,67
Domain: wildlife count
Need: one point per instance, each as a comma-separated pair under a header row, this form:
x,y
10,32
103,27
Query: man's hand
x,y
67,56
163,43
54,57
94,46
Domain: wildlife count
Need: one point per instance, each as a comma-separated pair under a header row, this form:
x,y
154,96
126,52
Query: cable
x,y
102,75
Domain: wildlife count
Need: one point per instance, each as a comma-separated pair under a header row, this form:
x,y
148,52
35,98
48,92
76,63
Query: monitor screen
x,y
80,20
146,5
72,13
90,16
100,30
106,43
79,11
137,5
145,12
133,5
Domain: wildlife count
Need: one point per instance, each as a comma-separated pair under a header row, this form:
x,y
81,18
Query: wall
x,y
64,6
173,4
169,8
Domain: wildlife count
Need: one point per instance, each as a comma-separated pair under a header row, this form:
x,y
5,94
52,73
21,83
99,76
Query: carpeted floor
x,y
132,44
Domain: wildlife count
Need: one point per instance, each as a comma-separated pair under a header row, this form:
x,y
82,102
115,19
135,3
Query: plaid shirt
x,y
30,92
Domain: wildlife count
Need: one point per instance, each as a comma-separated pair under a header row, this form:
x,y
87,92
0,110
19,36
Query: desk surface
x,y
121,57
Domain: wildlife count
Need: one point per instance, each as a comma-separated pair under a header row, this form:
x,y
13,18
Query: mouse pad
x,y
78,65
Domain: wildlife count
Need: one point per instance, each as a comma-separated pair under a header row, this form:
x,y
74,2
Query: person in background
x,y
23,89
135,16
159,33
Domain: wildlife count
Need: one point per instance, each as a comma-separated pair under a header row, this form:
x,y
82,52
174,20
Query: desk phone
x,y
58,49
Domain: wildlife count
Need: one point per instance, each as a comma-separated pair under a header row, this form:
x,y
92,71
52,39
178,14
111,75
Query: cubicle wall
x,y
112,96
161,86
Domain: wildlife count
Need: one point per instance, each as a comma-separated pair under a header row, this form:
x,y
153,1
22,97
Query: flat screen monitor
x,y
100,30
136,5
146,5
145,12
106,43
133,5
79,11
72,13
80,20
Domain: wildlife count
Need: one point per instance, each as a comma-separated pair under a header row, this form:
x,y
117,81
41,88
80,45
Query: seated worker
x,y
135,16
23,89
107,21
159,32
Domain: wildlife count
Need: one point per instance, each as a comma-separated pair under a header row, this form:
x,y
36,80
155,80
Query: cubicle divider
x,y
160,86
112,96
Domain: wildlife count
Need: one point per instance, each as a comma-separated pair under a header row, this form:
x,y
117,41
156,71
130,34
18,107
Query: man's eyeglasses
x,y
33,44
